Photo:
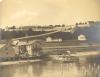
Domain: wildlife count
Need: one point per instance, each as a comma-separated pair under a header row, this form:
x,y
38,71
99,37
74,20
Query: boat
x,y
64,57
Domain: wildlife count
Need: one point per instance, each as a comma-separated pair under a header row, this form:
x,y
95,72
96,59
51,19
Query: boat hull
x,y
64,58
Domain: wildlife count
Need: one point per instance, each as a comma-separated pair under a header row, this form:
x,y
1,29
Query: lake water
x,y
51,69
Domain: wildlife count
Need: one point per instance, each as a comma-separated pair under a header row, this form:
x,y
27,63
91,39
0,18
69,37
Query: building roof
x,y
28,43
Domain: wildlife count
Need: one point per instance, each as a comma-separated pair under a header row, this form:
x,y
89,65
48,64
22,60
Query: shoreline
x,y
18,62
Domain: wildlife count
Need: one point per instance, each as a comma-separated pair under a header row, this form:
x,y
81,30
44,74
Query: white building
x,y
49,39
82,37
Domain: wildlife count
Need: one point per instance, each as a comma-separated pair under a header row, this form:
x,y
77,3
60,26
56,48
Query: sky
x,y
45,12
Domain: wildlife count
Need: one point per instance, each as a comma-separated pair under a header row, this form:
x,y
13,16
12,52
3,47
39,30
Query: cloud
x,y
23,14
49,11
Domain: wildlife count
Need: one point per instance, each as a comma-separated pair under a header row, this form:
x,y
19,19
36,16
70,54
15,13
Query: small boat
x,y
64,57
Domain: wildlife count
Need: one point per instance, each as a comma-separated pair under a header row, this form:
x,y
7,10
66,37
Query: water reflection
x,y
30,70
7,71
51,69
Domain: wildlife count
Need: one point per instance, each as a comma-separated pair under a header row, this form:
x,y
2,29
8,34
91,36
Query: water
x,y
51,69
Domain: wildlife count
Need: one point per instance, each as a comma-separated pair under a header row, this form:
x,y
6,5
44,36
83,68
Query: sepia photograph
x,y
49,38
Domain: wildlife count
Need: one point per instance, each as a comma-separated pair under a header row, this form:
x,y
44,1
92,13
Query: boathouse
x,y
28,49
